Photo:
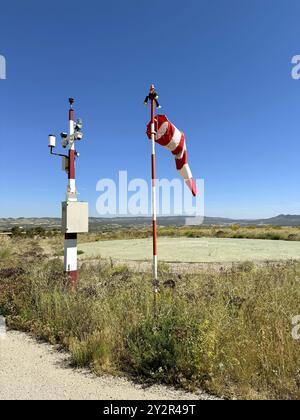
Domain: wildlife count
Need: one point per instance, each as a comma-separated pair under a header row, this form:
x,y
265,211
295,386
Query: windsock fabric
x,y
171,138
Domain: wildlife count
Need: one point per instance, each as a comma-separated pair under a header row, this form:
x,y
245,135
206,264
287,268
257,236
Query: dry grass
x,y
228,332
5,248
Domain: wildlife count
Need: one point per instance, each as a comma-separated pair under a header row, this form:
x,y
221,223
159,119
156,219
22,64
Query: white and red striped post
x,y
74,213
70,254
154,207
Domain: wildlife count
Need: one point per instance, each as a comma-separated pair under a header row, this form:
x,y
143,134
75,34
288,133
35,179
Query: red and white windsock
x,y
171,138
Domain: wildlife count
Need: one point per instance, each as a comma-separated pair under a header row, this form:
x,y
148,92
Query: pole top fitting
x,y
71,101
152,96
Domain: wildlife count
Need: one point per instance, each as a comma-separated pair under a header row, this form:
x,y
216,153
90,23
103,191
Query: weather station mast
x,y
74,212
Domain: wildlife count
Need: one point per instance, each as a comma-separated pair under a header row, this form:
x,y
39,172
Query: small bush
x,y
271,235
174,349
5,253
246,266
17,231
220,234
190,234
93,352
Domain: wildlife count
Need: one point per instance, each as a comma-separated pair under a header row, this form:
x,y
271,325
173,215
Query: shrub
x,y
220,234
17,231
172,348
271,235
5,253
235,227
246,266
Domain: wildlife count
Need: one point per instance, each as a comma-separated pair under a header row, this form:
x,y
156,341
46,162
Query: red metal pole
x,y
71,238
71,166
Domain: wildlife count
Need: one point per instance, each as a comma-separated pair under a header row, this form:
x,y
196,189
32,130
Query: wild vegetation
x,y
52,241
233,231
228,332
37,231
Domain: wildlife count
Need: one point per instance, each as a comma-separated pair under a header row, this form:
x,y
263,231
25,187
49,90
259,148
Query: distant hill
x,y
101,223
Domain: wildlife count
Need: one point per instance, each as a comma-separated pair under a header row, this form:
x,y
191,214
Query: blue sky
x,y
223,72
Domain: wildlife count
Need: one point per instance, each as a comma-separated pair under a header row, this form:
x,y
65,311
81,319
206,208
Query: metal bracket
x,y
57,154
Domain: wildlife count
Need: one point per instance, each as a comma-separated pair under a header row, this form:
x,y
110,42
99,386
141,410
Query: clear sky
x,y
223,72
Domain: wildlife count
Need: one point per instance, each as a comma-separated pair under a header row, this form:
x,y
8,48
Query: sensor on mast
x,y
74,213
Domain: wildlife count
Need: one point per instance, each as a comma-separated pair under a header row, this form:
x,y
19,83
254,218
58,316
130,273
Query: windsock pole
x,y
154,204
70,254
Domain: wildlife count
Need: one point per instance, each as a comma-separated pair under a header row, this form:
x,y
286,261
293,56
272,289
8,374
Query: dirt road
x,y
34,371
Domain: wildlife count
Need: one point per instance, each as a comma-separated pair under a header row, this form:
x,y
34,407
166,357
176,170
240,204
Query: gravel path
x,y
34,371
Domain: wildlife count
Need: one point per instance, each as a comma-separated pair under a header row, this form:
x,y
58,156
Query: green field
x,y
194,250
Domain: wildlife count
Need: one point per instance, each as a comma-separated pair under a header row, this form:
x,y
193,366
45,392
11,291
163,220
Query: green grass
x,y
4,253
234,231
228,332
